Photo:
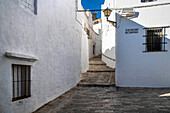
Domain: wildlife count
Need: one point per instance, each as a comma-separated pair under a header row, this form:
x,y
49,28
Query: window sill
x,y
154,51
20,98
20,57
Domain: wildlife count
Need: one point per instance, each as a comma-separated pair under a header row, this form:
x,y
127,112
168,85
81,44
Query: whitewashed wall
x,y
92,40
87,22
108,36
84,52
98,47
134,3
97,28
134,68
54,36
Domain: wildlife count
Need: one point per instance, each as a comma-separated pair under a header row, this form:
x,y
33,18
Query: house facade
x,y
142,43
44,48
40,52
97,28
91,39
108,36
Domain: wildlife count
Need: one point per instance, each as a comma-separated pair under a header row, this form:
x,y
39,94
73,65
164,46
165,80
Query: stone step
x,y
95,59
99,78
98,67
99,56
101,70
96,62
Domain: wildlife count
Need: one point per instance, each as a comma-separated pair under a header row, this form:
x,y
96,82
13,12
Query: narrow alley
x,y
96,93
84,56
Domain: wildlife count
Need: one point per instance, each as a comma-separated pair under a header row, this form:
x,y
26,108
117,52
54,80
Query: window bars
x,y
148,0
21,81
155,39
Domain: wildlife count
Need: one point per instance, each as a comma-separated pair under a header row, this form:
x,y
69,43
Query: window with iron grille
x,y
87,32
148,0
96,22
93,49
21,81
29,5
155,39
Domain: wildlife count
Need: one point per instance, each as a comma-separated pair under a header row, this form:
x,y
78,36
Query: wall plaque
x,y
131,31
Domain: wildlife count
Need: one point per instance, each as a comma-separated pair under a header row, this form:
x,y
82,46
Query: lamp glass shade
x,y
107,12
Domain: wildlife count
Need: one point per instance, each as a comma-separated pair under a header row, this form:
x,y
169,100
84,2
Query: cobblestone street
x,y
97,94
109,100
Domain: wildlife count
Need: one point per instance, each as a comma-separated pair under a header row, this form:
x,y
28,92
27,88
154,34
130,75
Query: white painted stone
x,y
97,28
54,36
134,68
108,35
88,41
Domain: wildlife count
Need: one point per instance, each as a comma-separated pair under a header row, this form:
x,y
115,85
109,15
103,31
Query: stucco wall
x,y
134,68
98,47
132,3
87,22
97,28
108,36
84,52
54,36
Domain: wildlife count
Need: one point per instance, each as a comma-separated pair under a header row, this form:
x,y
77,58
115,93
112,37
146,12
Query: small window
x,y
87,32
21,81
29,5
96,22
155,39
93,49
148,0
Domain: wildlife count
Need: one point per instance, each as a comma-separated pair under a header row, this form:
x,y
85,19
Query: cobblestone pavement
x,y
98,74
96,94
84,99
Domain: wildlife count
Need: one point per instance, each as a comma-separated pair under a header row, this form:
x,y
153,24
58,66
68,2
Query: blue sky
x,y
93,4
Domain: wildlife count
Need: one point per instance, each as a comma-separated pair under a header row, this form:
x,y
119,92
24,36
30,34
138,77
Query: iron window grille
x,y
96,22
148,0
30,5
87,32
93,49
21,81
155,39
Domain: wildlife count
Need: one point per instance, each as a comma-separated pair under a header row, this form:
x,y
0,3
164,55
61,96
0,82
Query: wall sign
x,y
131,31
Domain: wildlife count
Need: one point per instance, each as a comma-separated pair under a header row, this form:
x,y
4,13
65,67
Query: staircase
x,y
98,74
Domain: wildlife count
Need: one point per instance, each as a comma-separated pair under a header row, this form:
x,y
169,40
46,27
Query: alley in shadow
x,y
96,93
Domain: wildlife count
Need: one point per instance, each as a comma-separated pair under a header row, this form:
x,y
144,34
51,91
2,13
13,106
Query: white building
x,y
43,41
44,48
142,42
91,40
108,36
97,28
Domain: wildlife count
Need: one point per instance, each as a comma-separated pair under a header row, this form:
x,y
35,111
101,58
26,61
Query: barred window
x,y
87,32
148,0
96,22
21,81
155,39
29,5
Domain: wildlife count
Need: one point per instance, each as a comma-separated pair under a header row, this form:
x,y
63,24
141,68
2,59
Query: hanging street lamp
x,y
107,13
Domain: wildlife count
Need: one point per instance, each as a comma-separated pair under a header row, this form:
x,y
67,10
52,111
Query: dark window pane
x,y
155,40
21,81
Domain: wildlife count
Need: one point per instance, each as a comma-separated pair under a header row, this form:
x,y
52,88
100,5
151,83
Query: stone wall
x,y
53,36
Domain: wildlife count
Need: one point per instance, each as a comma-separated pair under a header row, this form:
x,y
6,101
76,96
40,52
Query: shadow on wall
x,y
109,57
134,67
